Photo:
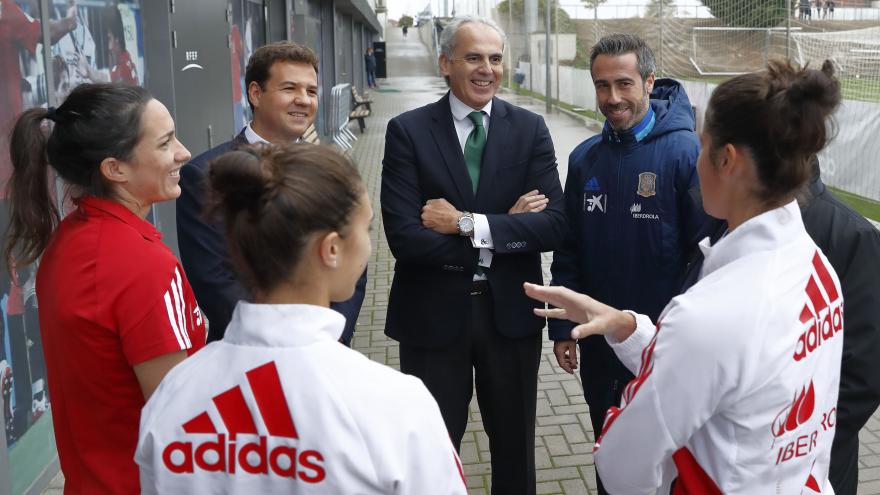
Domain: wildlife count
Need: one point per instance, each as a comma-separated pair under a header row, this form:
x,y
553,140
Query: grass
x,y
865,206
590,114
867,89
851,88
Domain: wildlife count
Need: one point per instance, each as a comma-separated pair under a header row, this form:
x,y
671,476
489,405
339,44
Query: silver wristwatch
x,y
466,224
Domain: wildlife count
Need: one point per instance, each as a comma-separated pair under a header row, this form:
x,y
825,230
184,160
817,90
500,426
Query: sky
x,y
575,8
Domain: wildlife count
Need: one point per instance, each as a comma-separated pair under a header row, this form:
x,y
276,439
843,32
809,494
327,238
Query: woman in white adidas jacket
x,y
736,384
279,406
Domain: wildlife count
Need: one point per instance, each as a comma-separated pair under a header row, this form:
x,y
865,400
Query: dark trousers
x,y
506,372
844,471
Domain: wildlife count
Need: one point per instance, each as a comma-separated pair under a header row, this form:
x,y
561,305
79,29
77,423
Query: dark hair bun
x,y
273,198
782,115
804,100
237,181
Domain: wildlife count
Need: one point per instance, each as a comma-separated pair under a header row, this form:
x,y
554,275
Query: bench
x,y
360,114
311,135
360,108
359,99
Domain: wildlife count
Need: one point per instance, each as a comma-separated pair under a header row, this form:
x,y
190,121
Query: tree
x,y
593,3
748,13
565,23
656,8
405,21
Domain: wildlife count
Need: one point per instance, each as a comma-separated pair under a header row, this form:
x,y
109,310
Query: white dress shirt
x,y
482,238
252,137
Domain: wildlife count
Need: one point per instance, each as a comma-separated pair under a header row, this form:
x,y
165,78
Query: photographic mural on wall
x,y
91,41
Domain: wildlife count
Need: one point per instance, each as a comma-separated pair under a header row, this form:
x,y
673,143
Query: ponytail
x,y
33,214
95,122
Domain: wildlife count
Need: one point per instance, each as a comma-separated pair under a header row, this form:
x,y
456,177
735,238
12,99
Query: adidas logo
x,y
226,451
591,185
825,319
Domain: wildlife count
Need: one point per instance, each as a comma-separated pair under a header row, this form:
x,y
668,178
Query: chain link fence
x,y
702,43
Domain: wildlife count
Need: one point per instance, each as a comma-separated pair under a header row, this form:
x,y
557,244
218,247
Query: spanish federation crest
x,y
647,184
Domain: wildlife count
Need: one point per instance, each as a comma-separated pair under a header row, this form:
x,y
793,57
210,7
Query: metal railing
x,y
340,109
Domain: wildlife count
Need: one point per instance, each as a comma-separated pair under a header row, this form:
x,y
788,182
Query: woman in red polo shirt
x,y
116,311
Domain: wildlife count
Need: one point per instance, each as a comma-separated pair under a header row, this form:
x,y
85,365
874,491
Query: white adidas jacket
x,y
279,406
736,389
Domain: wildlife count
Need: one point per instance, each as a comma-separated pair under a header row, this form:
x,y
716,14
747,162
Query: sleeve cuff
x,y
629,351
482,238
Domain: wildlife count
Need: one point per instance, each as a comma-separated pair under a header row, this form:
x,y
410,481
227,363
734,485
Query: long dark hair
x,y
272,198
781,115
95,122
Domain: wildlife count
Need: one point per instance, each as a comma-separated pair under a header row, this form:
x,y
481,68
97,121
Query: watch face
x,y
466,224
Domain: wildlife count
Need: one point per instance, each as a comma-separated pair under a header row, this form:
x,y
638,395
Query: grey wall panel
x,y
276,24
202,73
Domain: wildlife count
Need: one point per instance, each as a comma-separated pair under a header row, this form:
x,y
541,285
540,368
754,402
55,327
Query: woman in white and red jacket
x,y
736,384
278,405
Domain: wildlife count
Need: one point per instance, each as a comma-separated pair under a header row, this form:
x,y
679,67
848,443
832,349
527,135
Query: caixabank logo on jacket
x,y
239,446
825,319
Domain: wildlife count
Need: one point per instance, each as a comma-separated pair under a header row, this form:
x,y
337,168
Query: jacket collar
x,y
102,206
283,325
635,134
764,232
443,131
817,187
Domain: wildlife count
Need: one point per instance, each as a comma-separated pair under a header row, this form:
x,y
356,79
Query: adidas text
x,y
251,457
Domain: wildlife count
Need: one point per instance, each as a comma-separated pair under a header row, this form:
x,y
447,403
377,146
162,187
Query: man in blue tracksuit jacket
x,y
633,208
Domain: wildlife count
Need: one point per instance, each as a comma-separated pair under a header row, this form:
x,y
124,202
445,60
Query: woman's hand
x,y
594,317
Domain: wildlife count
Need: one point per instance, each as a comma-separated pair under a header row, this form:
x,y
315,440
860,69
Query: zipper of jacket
x,y
619,198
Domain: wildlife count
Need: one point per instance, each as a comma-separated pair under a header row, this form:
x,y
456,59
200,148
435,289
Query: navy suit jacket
x,y
429,303
205,256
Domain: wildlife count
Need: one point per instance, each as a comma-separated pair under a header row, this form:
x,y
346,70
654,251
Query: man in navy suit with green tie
x,y
470,198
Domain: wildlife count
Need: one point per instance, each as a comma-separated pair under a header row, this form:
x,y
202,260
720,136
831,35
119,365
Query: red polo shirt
x,y
111,295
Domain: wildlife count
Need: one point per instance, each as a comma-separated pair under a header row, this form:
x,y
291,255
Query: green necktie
x,y
473,148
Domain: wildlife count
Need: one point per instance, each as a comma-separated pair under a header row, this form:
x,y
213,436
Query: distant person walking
x,y
370,66
804,10
405,30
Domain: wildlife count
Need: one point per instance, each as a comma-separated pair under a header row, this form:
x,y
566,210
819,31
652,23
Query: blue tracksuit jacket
x,y
633,209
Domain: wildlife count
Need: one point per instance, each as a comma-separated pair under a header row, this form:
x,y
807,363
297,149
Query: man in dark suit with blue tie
x,y
470,198
282,89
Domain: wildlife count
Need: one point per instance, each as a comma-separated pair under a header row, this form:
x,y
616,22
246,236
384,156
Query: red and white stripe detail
x,y
632,387
175,305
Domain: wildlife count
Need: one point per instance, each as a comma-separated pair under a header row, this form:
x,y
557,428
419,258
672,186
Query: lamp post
x,y
547,97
